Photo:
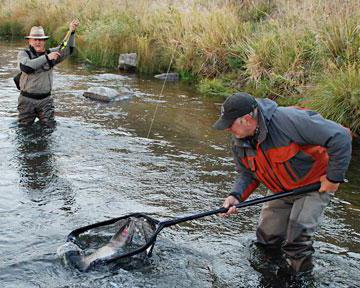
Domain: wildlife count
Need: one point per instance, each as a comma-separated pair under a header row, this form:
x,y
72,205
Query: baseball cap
x,y
235,106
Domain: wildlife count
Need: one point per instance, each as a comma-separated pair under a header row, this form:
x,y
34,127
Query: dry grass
x,y
273,48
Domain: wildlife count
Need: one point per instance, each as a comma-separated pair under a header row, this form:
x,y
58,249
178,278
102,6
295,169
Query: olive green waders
x,y
30,108
291,223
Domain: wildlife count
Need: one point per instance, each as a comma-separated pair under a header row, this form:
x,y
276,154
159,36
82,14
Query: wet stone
x,y
127,61
105,94
168,76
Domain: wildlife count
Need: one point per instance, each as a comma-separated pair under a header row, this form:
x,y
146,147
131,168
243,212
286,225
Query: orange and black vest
x,y
293,148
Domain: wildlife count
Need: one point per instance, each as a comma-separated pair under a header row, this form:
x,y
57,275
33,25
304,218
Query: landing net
x,y
107,242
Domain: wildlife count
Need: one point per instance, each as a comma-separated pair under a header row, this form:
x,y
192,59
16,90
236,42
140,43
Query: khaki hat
x,y
37,32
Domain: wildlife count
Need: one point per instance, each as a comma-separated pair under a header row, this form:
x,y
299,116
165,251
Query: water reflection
x,y
37,167
36,161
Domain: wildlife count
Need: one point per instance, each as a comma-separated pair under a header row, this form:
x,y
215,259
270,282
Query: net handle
x,y
299,191
168,223
161,225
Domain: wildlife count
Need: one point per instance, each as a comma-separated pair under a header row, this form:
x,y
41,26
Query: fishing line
x,y
162,89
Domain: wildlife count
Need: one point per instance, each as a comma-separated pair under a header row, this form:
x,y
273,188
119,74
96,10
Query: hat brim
x,y
37,37
222,124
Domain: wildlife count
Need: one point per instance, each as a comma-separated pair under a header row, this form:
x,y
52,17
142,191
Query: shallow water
x,y
99,163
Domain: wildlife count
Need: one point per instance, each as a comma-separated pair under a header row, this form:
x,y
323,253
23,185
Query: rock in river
x,y
127,61
168,76
103,94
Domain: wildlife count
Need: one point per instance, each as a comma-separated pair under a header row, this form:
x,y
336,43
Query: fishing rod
x,y
65,41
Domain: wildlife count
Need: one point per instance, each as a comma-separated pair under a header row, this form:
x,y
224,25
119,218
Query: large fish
x,y
128,229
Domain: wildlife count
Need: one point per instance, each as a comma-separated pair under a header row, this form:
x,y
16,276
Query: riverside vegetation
x,y
304,53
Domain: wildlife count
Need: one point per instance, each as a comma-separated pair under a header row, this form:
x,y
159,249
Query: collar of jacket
x,y
33,51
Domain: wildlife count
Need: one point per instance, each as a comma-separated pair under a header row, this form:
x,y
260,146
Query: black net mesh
x,y
107,243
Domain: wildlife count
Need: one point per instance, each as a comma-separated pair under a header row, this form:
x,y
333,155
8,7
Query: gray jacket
x,y
37,69
293,148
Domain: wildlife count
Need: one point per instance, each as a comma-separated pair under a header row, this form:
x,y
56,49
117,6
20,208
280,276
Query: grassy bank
x,y
296,52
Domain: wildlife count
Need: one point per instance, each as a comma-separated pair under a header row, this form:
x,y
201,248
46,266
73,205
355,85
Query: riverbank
x,y
296,52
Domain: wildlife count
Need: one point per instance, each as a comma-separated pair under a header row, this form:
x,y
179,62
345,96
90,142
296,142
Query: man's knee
x,y
26,119
46,112
269,239
273,221
26,111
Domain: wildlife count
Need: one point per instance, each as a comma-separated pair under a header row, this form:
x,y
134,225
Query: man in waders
x,y
284,148
36,78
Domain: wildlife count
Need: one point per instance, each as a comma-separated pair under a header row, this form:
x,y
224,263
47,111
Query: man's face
x,y
38,44
243,127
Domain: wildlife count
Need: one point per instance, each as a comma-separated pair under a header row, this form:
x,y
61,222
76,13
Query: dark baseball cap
x,y
235,106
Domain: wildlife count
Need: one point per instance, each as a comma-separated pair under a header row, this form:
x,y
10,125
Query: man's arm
x,y
308,127
28,65
245,182
244,185
67,51
70,45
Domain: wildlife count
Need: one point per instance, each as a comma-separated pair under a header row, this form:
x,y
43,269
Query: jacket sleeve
x,y
308,127
245,182
28,65
67,51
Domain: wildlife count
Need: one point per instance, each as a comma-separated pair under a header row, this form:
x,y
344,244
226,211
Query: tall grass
x,y
336,96
198,33
282,49
279,61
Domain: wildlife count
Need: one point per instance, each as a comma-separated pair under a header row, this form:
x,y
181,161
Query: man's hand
x,y
328,186
73,25
54,55
230,201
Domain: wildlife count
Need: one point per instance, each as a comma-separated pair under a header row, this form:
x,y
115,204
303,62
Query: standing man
x,y
285,148
36,79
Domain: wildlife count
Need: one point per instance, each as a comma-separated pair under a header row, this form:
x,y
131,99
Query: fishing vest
x,y
34,80
17,77
284,168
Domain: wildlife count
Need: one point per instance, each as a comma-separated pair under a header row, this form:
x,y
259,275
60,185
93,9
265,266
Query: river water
x,y
99,163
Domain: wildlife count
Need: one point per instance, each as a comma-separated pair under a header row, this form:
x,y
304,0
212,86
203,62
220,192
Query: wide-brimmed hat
x,y
235,106
37,32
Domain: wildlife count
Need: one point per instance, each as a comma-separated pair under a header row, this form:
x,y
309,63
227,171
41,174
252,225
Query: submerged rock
x,y
105,94
168,76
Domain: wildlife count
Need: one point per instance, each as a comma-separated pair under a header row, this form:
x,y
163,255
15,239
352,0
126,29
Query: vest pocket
x,y
294,169
291,163
301,164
